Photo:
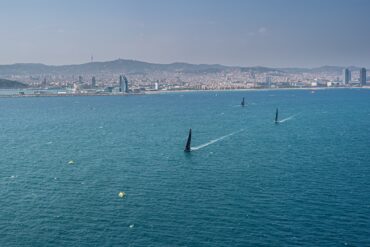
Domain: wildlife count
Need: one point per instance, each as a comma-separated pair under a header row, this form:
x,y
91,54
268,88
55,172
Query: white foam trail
x,y
215,140
240,105
287,119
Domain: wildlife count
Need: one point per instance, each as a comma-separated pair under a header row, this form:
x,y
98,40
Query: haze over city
x,y
283,33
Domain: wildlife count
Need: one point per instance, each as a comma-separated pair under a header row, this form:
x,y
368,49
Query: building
x,y
126,85
120,83
44,83
123,84
80,80
268,81
93,82
76,88
156,86
346,76
363,76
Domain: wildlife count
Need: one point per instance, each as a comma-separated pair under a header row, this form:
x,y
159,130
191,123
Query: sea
x,y
247,182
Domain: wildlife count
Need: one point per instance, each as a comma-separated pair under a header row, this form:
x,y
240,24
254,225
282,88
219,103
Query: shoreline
x,y
168,92
251,90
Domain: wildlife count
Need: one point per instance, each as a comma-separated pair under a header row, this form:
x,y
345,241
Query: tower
x,y
123,84
93,82
44,83
346,76
363,76
126,85
268,81
120,83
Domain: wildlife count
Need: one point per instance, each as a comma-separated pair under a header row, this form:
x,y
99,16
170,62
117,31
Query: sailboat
x,y
243,103
188,143
277,116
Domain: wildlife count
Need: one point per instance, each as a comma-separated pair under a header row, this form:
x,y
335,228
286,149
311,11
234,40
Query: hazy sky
x,y
279,33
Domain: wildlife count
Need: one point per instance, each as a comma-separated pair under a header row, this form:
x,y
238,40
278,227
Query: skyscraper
x,y
44,83
363,76
120,83
268,81
80,79
126,85
123,84
346,76
93,82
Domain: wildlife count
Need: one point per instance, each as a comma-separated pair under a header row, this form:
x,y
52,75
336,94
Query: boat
x,y
277,116
243,102
188,143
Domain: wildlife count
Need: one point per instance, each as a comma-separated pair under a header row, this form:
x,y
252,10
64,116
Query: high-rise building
x,y
120,83
346,76
126,85
44,83
123,84
80,79
268,81
93,82
363,76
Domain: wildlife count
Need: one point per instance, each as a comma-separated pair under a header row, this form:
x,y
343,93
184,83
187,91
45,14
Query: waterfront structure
x,y
363,76
121,83
93,82
346,76
124,84
76,88
268,81
44,83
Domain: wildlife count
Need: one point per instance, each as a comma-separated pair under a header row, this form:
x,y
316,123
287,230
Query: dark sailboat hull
x,y
277,116
188,143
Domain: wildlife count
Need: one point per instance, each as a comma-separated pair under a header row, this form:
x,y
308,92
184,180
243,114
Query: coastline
x,y
252,90
169,92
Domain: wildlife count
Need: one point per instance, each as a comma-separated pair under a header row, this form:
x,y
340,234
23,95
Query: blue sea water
x,y
303,182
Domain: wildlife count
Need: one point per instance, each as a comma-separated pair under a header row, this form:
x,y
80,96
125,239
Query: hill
x,y
8,84
126,66
116,66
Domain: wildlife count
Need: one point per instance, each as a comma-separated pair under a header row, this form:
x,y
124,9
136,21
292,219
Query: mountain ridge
x,y
134,66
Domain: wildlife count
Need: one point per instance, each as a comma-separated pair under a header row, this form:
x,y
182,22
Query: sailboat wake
x,y
288,118
215,140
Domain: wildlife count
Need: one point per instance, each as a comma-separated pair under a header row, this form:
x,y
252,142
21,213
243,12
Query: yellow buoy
x,y
122,194
71,162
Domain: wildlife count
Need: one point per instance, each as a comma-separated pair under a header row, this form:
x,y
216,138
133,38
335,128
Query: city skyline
x,y
110,77
276,34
